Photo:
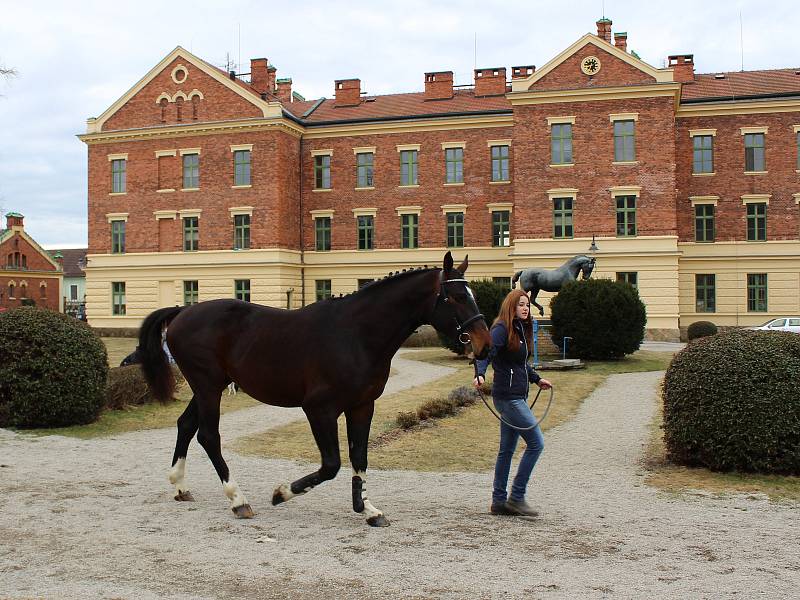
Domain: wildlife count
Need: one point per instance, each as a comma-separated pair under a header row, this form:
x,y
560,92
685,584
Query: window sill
x,y
504,182
704,174
315,190
410,185
118,193
190,189
457,184
165,190
365,189
560,165
756,172
241,187
756,241
704,241
625,162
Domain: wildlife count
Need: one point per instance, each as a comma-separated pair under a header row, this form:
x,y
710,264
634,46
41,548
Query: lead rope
x,y
499,418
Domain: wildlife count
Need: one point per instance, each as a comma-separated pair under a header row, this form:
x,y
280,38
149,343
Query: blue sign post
x,y
535,343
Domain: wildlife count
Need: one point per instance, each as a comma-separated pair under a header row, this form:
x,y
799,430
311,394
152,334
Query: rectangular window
x,y
704,222
454,165
703,154
757,292
500,163
455,230
323,289
191,171
754,159
117,237
629,277
241,167
561,144
366,231
191,293
409,231
408,167
562,218
363,282
626,215
798,150
241,232
191,234
118,298
364,169
322,233
73,292
501,228
118,176
322,172
504,281
757,222
624,141
705,287
241,289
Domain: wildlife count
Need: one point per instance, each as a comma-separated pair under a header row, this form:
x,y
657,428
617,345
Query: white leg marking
x,y
285,490
234,494
369,510
176,476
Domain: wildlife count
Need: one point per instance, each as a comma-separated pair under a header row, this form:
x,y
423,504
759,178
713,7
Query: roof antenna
x,y
239,65
475,53
741,38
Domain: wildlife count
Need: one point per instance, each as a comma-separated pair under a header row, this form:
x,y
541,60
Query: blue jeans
x,y
518,414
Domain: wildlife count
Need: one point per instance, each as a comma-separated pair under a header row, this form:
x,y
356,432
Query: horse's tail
x,y
155,365
515,279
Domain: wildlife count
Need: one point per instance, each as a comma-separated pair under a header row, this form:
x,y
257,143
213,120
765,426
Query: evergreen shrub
x,y
700,329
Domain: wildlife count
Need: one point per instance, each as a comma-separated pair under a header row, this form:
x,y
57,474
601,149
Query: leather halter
x,y
460,327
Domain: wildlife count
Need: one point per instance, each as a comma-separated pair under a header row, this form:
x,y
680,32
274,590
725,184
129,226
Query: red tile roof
x,y
741,84
73,258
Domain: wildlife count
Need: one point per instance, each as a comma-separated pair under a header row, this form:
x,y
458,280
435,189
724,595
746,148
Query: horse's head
x,y
456,314
587,267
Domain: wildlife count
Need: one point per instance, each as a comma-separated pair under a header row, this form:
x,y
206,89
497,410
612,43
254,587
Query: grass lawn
x,y
465,442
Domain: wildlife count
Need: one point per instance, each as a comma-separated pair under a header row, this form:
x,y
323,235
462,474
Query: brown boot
x,y
521,508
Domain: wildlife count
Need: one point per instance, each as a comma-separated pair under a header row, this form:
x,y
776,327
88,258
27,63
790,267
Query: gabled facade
x,y
204,185
28,274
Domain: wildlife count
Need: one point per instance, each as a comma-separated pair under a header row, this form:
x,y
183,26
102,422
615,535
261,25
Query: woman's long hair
x,y
506,316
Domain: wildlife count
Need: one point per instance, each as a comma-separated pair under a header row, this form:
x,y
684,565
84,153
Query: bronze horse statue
x,y
534,280
328,358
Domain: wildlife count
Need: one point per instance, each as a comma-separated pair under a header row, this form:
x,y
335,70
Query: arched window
x,y
195,106
43,290
179,107
10,260
11,290
164,102
23,290
24,261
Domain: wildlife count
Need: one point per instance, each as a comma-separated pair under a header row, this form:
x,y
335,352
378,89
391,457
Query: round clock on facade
x,y
590,65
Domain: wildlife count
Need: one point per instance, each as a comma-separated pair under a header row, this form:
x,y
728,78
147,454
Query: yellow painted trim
x,y
796,198
796,128
408,147
117,216
503,182
123,156
695,132
160,153
562,192
498,206
410,126
625,190
623,117
625,162
491,143
196,92
452,145
240,147
523,84
449,208
179,94
365,212
704,174
756,172
179,67
190,212
364,150
165,214
325,152
118,194
241,187
322,213
165,190
408,210
596,94
560,120
561,165
456,184
197,189
413,185
695,200
185,151
746,130
364,189
241,210
317,190
163,96
756,198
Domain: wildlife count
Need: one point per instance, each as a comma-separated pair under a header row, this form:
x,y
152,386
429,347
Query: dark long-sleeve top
x,y
512,372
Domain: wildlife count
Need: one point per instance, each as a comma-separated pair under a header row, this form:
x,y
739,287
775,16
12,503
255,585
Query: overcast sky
x,y
74,59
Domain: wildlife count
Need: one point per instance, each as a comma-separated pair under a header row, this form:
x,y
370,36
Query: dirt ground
x,y
96,519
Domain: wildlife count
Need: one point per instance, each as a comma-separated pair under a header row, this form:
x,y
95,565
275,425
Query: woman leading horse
x,y
328,358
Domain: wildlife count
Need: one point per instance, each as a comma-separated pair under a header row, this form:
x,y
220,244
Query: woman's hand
x,y
478,381
544,384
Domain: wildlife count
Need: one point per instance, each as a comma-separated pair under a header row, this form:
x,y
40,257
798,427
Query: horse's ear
x,y
463,266
448,262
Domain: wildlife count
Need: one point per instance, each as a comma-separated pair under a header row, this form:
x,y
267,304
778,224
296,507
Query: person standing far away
x,y
512,335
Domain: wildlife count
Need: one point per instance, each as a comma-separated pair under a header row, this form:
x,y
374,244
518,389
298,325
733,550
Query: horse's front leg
x,y
359,420
535,293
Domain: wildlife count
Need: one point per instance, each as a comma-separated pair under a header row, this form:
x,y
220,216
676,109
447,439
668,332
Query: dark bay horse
x,y
534,280
329,358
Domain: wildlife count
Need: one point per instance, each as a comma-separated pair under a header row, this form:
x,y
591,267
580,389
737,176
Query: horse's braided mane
x,y
392,276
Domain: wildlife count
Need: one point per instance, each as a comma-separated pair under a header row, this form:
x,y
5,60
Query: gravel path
x,y
96,519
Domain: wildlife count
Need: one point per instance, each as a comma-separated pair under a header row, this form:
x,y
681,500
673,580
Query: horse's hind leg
x,y
187,427
326,433
358,423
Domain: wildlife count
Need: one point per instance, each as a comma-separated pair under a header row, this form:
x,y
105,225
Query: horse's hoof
x,y
184,496
277,497
378,521
243,511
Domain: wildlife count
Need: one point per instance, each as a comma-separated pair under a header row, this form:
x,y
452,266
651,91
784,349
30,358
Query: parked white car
x,y
781,324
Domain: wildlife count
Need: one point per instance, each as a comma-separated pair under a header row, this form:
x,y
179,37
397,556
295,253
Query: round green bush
x,y
731,403
700,329
604,318
488,296
53,369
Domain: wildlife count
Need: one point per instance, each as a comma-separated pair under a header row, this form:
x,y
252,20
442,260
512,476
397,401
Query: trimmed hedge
x,y
700,329
488,296
604,318
53,370
731,403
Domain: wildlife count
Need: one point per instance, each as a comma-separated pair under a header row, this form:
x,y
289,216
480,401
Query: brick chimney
x,y
621,40
683,65
522,72
14,220
258,74
271,74
347,92
438,85
604,29
284,91
490,82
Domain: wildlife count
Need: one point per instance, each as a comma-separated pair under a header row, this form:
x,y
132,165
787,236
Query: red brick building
x,y
206,184
28,274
